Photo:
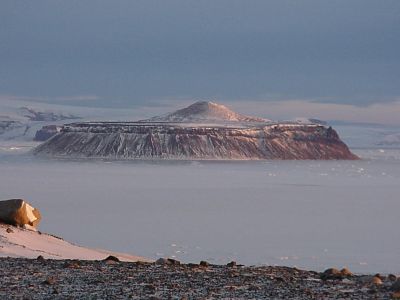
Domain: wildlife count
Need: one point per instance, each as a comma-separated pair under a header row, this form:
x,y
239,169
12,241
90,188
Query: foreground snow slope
x,y
17,242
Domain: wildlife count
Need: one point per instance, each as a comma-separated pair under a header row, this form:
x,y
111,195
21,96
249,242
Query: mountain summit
x,y
205,111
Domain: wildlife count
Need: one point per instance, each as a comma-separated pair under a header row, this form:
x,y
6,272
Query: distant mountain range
x,y
22,123
203,130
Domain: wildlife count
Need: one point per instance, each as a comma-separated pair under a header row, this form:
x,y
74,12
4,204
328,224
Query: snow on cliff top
x,y
19,242
205,111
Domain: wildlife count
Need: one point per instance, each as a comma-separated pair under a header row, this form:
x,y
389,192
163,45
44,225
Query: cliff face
x,y
180,141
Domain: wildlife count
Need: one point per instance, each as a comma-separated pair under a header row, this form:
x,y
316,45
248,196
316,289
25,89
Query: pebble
x,y
376,280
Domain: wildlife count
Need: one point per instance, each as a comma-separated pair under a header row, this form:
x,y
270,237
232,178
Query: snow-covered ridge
x,y
22,123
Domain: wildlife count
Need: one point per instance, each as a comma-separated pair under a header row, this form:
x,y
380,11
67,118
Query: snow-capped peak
x,y
203,111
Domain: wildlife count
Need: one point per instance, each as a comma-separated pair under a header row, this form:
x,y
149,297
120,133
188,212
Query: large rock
x,y
18,212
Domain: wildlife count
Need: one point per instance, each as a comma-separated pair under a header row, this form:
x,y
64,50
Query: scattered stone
x,y
49,281
346,272
94,280
72,264
376,280
9,230
40,258
231,264
111,258
167,261
331,273
18,212
396,295
204,264
392,277
173,261
162,261
396,286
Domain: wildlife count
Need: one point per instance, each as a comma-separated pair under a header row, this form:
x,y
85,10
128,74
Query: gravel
x,y
110,279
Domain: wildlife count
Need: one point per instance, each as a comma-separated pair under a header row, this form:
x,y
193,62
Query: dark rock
x,y
162,261
204,264
17,212
174,261
396,295
396,286
345,272
49,281
167,261
231,264
331,273
392,277
46,132
40,258
111,258
72,264
376,280
9,230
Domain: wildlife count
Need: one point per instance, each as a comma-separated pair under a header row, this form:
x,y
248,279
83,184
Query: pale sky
x,y
121,53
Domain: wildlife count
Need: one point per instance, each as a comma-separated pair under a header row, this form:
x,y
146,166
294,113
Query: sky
x,y
124,53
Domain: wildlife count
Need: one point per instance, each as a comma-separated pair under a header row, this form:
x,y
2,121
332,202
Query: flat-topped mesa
x,y
203,130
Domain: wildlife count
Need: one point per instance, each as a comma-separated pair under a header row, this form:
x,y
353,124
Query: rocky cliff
x,y
225,135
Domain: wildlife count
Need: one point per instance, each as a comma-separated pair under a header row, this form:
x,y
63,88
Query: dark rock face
x,y
46,132
178,141
17,212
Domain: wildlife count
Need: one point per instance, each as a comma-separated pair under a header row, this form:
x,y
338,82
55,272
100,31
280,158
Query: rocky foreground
x,y
168,279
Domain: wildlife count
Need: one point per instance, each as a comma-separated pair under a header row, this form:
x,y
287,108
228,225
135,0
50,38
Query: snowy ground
x,y
310,214
18,242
